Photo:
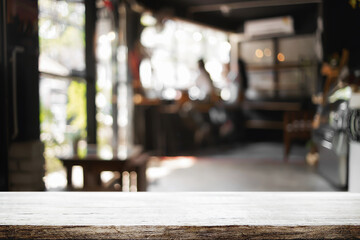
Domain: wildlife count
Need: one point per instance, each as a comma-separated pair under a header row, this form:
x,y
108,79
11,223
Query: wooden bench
x,y
225,215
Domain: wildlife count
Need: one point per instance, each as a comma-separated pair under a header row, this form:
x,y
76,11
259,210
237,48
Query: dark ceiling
x,y
230,14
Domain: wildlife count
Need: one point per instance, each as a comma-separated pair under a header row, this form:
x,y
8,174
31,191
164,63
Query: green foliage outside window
x,y
76,107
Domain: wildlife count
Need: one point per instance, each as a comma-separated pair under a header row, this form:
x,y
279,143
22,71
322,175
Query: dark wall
x,y
90,23
342,29
19,96
22,39
305,20
3,101
134,28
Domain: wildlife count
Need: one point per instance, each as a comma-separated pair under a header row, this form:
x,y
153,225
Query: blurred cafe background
x,y
136,95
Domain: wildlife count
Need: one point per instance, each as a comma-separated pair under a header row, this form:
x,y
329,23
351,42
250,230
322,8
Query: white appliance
x,y
354,152
269,27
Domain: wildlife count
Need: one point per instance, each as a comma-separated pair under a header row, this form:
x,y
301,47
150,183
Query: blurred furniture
x,y
147,124
282,75
297,126
178,125
225,215
257,111
93,165
164,127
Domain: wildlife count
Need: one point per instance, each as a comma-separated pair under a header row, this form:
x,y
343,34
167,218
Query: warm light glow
x,y
224,52
178,95
267,52
108,120
169,94
259,53
104,48
137,98
100,100
194,93
147,19
122,152
145,73
183,73
99,117
281,57
225,46
148,37
77,177
212,40
166,165
165,72
123,117
197,36
174,49
173,163
180,34
225,9
125,181
214,67
105,152
122,52
111,36
225,94
106,176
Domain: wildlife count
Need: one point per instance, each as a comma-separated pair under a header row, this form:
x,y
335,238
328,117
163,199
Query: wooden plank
x,y
264,124
272,106
280,66
109,215
179,232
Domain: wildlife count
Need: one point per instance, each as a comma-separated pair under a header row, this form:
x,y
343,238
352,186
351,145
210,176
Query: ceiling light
x,y
267,52
281,57
259,53
225,9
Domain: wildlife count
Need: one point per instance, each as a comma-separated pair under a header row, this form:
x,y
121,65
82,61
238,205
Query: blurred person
x,y
218,114
204,83
136,55
243,86
202,90
231,79
243,79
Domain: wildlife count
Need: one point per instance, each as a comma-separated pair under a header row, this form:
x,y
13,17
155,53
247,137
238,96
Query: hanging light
x,y
147,19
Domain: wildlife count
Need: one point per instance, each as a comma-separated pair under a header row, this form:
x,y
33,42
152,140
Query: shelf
x,y
276,66
272,106
263,124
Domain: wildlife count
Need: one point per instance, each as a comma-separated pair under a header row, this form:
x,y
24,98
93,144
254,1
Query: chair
x,y
297,126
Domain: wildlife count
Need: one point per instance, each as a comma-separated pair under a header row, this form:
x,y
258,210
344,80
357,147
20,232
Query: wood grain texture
x,y
179,232
112,215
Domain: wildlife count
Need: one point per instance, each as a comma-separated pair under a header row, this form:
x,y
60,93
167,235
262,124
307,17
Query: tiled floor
x,y
250,167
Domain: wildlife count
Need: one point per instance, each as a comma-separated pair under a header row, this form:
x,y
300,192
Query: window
x,y
62,83
173,49
277,69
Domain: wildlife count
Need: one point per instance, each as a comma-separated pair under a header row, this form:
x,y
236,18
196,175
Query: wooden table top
x,y
226,215
134,155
